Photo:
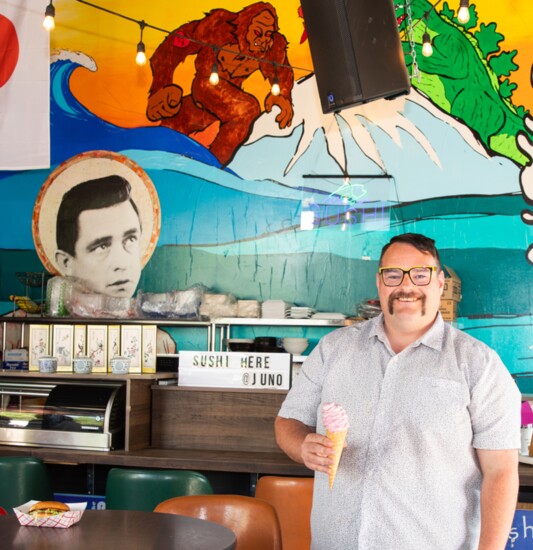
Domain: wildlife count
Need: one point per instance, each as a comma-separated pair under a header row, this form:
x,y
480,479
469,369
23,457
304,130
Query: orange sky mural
x,y
117,91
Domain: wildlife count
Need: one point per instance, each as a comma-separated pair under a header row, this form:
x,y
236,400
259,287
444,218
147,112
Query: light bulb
x,y
275,90
213,78
141,55
49,23
427,48
463,15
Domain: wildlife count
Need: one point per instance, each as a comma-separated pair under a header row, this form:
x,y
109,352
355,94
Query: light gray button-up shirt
x,y
409,477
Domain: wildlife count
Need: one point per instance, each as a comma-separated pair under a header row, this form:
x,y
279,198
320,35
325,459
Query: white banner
x,y
235,370
24,85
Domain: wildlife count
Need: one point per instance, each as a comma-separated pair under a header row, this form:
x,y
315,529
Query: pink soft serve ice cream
x,y
335,421
334,417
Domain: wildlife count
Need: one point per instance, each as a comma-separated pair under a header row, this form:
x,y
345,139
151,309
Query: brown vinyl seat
x,y
292,499
254,521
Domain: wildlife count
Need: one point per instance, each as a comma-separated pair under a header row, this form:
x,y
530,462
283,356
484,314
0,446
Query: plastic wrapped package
x,y
178,304
218,305
83,304
67,296
369,308
248,308
58,290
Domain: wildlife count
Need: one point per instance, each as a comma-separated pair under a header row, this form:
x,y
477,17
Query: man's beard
x,y
406,295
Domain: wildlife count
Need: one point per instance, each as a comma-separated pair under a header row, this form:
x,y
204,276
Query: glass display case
x,y
75,415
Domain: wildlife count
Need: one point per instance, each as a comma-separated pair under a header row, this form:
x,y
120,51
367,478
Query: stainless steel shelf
x,y
245,321
224,324
36,319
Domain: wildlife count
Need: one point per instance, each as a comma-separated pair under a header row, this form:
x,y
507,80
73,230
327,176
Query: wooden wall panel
x,y
225,420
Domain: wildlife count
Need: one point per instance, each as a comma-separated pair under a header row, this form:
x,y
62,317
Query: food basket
x,y
61,521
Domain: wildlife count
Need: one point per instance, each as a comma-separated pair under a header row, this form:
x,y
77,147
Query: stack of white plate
x,y
275,309
297,312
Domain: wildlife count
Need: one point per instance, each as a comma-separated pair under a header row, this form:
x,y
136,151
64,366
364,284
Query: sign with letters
x,y
235,370
521,535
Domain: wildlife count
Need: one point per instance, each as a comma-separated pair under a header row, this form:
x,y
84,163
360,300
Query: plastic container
x,y
526,432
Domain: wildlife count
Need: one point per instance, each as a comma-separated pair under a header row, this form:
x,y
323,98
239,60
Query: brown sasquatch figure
x,y
224,38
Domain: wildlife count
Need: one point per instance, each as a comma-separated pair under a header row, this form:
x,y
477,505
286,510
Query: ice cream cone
x,y
338,439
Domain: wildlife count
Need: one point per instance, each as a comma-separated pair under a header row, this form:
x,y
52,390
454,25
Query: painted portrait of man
x,y
98,236
97,220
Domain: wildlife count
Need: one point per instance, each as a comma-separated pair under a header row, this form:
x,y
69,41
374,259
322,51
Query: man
x,y
98,232
432,449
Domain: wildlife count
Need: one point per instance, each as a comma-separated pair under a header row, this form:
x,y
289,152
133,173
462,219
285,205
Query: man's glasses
x,y
420,276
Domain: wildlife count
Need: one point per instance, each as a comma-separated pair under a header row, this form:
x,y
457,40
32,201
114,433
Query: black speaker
x,y
356,51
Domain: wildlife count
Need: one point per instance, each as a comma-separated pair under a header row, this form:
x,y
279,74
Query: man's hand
x,y
284,118
303,445
316,452
164,103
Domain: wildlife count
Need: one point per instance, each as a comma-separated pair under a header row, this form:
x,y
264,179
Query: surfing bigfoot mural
x,y
237,43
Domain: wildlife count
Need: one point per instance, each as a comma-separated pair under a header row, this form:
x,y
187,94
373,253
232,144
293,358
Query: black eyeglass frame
x,y
432,268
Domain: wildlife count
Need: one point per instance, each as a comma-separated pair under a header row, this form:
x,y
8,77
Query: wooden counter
x,y
525,472
173,427
182,459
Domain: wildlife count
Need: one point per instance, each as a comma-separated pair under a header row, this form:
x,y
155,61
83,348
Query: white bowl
x,y
296,346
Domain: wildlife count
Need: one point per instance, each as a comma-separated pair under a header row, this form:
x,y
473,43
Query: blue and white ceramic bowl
x,y
120,365
82,365
47,363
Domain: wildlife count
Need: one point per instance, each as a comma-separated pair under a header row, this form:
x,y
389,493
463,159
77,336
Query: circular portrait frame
x,y
87,166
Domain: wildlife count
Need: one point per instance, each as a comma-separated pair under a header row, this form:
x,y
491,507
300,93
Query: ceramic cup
x,y
47,363
120,365
82,365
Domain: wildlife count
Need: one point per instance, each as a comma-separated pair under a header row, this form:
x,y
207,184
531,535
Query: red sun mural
x,y
9,49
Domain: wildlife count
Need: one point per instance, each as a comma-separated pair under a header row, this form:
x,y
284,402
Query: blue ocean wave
x,y
70,118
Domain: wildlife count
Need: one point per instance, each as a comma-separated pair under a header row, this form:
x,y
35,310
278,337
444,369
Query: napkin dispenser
x,y
70,415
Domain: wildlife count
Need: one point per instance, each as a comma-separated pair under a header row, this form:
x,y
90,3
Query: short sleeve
x,y
495,406
303,399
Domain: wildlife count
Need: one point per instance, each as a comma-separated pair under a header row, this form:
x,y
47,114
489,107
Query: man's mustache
x,y
402,295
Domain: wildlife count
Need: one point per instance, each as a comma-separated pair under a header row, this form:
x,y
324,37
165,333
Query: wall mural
x,y
252,187
221,38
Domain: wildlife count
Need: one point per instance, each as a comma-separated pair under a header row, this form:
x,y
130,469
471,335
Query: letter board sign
x,y
235,370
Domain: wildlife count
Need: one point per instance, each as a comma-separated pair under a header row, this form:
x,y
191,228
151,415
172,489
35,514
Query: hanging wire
x,y
200,42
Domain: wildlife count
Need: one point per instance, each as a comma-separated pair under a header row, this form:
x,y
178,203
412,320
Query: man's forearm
x,y
498,503
290,435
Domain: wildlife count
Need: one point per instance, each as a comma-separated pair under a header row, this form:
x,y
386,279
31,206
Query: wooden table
x,y
114,529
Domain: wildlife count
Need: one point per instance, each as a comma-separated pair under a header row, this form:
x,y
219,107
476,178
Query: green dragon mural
x,y
468,74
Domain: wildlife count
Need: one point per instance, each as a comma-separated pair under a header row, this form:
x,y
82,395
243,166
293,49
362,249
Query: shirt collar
x,y
433,338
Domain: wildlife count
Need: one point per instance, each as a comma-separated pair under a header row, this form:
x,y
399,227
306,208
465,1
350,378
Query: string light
x,y
227,50
213,77
140,59
463,15
275,90
49,15
427,48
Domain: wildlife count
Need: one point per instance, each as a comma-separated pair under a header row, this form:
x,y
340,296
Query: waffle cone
x,y
338,439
